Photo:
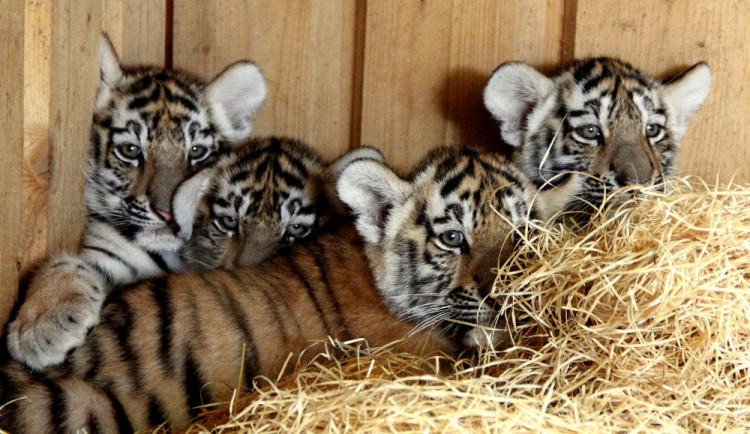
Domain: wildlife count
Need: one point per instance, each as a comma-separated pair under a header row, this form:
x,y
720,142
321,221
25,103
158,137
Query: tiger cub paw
x,y
54,318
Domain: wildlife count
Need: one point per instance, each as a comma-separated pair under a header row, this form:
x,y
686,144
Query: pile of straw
x,y
639,321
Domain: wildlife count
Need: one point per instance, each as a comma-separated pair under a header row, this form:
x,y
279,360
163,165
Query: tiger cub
x,y
597,125
152,129
423,260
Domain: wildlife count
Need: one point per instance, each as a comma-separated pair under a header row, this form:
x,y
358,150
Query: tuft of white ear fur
x,y
361,153
369,188
511,92
234,96
109,65
687,92
187,198
110,72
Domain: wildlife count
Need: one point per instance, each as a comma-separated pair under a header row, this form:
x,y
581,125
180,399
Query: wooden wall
x,y
403,76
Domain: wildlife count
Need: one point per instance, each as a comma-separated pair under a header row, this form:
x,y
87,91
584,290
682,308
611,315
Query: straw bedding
x,y
639,321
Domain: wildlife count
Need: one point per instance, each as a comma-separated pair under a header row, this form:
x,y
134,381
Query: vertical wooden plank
x,y
36,150
407,58
426,64
304,48
11,158
76,26
137,28
662,38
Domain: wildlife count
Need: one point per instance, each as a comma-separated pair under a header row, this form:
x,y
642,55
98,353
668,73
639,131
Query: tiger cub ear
x,y
687,91
110,71
187,199
512,91
334,208
361,153
234,96
371,190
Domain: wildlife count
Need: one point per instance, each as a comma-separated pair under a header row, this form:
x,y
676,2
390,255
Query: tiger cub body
x,y
152,129
421,266
597,125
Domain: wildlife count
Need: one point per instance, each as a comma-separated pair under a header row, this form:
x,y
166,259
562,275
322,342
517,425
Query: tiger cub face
x,y
434,238
597,125
154,128
259,198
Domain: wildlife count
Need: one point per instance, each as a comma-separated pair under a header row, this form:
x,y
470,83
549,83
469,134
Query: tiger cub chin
x,y
421,268
152,129
595,126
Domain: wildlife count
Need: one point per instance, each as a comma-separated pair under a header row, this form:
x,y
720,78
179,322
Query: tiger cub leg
x,y
62,303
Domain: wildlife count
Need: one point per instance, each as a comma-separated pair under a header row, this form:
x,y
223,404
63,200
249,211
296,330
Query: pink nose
x,y
166,215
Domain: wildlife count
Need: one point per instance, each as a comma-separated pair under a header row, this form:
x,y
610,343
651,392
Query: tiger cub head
x,y
597,125
434,238
153,128
258,198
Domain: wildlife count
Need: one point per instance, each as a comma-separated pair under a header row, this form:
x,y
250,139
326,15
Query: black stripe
x,y
295,269
290,179
160,292
92,424
114,256
193,384
231,306
272,304
583,70
239,176
140,85
140,102
321,261
297,164
92,342
593,82
156,413
121,417
179,99
128,230
159,261
118,317
452,184
57,406
102,272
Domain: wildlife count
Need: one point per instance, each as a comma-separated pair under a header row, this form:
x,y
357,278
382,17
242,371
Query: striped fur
x,y
597,125
152,129
166,346
255,200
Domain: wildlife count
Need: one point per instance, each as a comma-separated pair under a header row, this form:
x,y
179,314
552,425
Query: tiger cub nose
x,y
166,215
631,177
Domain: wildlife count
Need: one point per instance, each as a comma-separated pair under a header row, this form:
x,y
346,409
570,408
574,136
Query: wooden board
x,y
76,29
427,62
36,149
305,50
137,29
661,38
11,140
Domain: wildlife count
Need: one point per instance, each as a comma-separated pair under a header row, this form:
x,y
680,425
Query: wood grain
x,y
426,64
74,66
304,48
137,29
36,148
11,140
664,37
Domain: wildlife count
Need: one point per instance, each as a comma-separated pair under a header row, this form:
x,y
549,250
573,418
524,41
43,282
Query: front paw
x,y
44,332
